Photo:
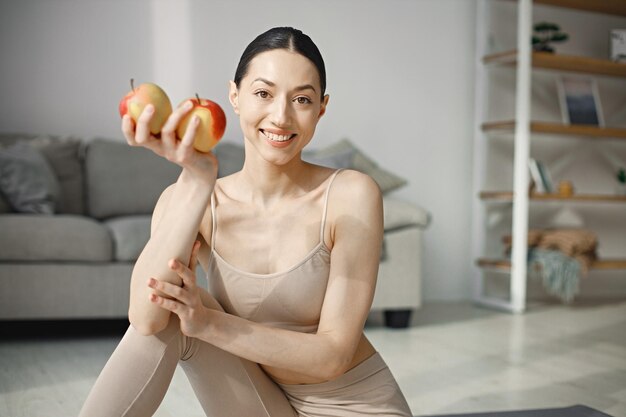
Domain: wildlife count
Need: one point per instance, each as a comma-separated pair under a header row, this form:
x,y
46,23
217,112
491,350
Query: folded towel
x,y
559,273
560,257
579,244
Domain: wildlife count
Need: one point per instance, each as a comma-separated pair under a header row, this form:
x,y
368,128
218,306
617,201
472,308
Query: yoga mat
x,y
573,411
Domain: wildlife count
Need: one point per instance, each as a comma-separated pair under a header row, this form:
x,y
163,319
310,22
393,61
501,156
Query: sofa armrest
x,y
399,213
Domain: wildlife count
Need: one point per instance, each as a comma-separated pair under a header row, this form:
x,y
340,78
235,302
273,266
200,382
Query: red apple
x,y
134,102
211,127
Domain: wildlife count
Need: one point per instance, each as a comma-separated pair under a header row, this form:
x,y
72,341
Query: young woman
x,y
291,252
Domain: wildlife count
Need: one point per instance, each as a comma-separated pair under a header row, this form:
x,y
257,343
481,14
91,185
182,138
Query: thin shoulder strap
x,y
213,220
326,203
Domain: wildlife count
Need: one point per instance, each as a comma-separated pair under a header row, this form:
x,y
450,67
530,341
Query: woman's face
x,y
279,104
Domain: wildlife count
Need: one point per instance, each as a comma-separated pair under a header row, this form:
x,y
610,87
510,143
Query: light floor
x,y
454,358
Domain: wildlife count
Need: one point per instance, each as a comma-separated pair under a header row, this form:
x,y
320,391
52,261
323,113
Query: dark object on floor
x,y
397,319
60,329
573,411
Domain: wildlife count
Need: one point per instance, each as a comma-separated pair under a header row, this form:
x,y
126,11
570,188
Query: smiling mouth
x,y
277,138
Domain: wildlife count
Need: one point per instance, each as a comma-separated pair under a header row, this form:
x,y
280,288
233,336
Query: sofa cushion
x,y
27,180
130,235
399,214
64,154
63,237
124,180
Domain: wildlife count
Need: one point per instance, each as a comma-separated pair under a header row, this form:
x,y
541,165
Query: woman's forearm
x,y
172,237
318,356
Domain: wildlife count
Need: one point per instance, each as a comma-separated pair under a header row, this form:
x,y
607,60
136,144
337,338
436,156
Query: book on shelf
x,y
546,178
541,177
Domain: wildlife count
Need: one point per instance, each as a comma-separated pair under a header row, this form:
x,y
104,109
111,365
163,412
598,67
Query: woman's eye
x,y
303,100
262,94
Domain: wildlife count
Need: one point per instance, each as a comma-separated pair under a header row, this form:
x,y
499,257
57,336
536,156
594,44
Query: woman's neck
x,y
265,183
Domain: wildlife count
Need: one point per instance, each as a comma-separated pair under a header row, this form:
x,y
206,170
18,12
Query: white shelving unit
x,y
523,61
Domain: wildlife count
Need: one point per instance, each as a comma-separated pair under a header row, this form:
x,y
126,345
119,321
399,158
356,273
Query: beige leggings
x,y
136,377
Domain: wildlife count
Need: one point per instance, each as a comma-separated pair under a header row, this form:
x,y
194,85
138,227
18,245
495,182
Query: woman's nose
x,y
281,112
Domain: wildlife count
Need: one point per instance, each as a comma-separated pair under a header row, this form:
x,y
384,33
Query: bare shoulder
x,y
355,207
352,189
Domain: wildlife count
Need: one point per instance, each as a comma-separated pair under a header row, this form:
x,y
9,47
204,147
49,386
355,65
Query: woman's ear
x,y
323,106
233,96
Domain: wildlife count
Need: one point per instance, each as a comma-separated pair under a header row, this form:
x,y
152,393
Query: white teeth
x,y
276,138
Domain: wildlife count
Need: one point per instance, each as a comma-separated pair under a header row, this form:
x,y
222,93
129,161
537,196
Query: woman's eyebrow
x,y
271,84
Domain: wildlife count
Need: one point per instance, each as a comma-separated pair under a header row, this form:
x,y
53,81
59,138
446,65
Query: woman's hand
x,y
185,302
201,165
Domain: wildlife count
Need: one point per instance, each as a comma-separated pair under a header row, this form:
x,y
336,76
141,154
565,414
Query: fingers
x,y
187,274
138,134
142,133
128,129
168,133
190,133
180,294
171,305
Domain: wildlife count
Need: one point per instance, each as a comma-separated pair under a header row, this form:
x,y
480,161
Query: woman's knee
x,y
170,339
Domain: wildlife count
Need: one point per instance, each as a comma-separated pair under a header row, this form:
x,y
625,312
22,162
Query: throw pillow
x,y
342,159
230,157
63,153
387,181
27,180
10,139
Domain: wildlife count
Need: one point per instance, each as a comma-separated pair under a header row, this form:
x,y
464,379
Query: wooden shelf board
x,y
603,264
559,129
508,196
614,7
560,62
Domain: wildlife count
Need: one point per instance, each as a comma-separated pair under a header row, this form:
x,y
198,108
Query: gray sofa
x,y
72,257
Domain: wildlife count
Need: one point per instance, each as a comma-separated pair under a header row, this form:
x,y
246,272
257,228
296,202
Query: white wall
x,y
400,79
66,64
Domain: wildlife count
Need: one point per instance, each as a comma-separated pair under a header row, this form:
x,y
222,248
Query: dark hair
x,y
282,38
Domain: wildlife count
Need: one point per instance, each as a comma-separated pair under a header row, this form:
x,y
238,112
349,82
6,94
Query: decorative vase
x,y
566,189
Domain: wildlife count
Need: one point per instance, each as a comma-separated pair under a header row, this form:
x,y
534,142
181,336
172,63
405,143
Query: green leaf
x,y
546,27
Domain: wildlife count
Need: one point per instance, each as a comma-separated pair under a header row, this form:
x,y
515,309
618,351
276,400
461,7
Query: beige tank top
x,y
290,299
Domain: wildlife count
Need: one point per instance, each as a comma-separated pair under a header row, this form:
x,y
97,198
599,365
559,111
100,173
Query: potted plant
x,y
546,32
621,182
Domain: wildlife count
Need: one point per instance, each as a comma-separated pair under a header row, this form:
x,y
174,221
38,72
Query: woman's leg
x,y
136,377
227,385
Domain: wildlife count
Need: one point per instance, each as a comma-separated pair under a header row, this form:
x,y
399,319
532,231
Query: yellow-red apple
x,y
211,127
134,102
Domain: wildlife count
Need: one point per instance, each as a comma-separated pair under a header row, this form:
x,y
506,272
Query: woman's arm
x,y
357,235
177,215
175,225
